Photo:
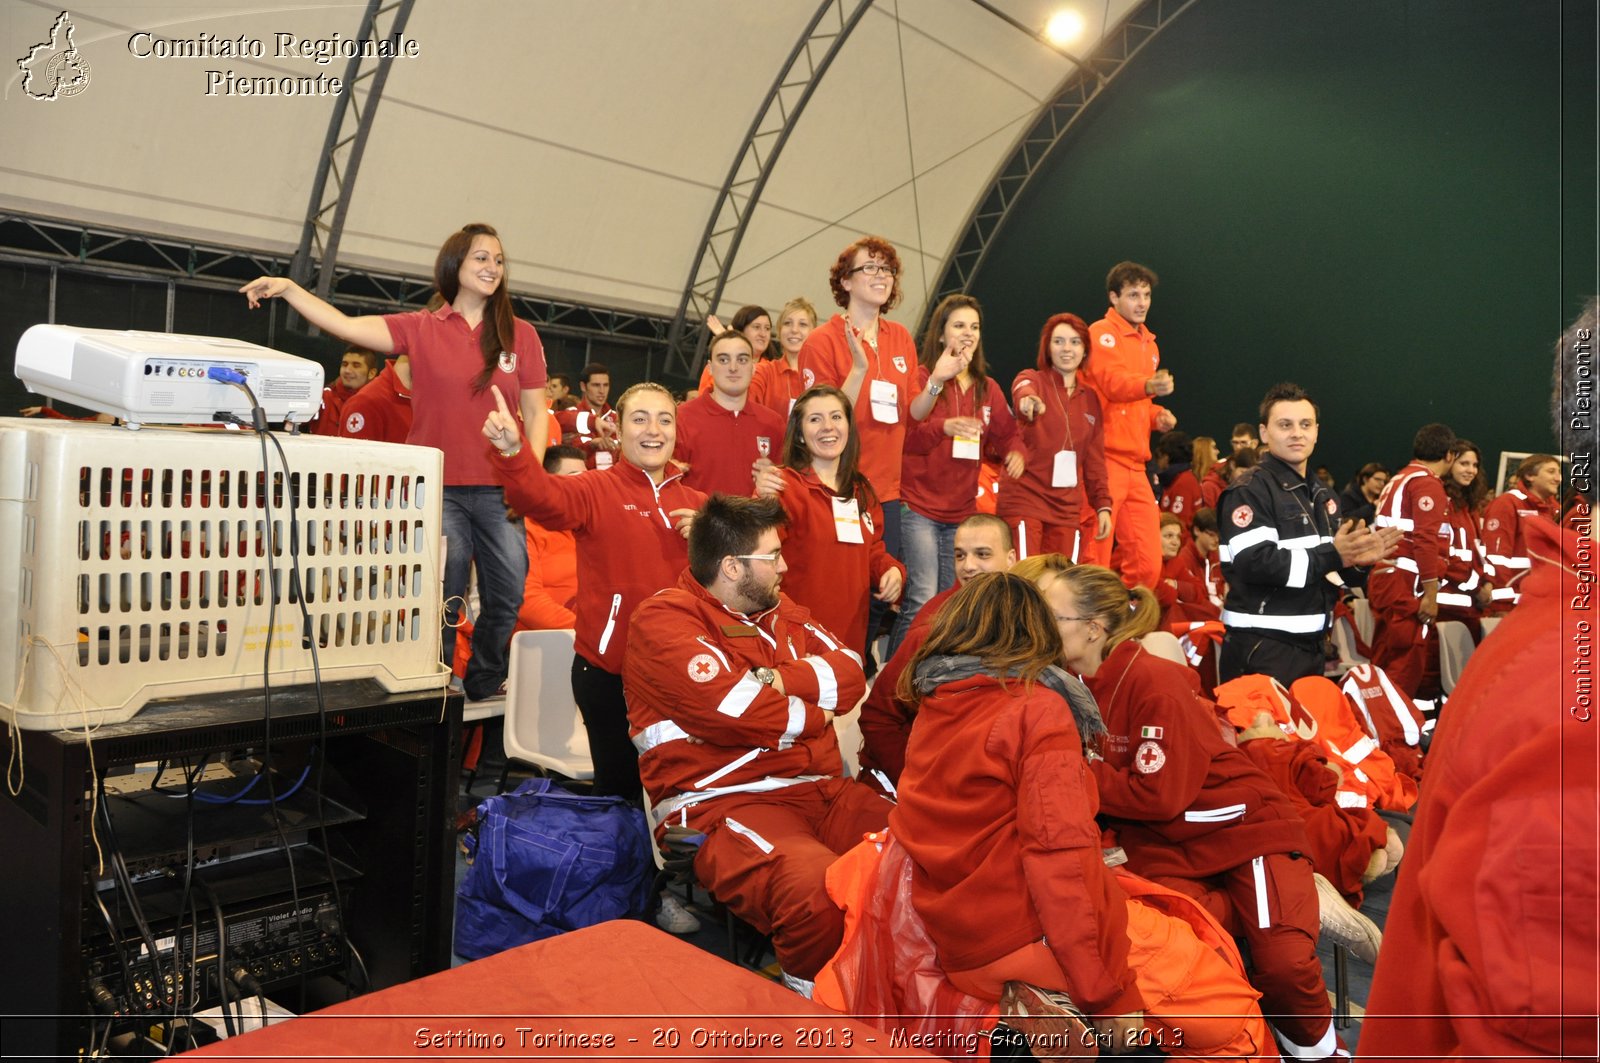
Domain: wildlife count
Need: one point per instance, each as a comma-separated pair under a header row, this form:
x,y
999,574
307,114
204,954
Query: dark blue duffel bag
x,y
545,861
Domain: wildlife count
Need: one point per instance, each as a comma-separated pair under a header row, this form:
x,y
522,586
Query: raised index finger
x,y
500,402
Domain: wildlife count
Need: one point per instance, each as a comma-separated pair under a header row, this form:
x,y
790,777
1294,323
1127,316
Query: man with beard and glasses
x,y
732,689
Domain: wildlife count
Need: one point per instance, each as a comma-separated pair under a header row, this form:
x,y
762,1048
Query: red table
x,y
615,991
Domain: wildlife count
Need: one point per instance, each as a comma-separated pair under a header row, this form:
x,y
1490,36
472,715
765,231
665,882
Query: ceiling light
x,y
1064,27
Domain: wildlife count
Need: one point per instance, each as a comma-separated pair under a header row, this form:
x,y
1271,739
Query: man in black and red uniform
x,y
732,690
1404,590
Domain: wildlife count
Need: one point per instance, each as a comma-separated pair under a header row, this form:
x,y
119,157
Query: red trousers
x,y
1135,528
1038,537
765,856
1399,639
1275,890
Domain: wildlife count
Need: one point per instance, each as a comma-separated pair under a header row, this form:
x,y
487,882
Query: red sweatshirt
x,y
825,359
835,580
1182,497
381,410
328,419
721,446
1505,539
1183,801
933,481
1069,422
885,719
627,546
997,811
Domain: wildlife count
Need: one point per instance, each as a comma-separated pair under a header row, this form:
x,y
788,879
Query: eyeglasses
x,y
874,269
771,559
1081,619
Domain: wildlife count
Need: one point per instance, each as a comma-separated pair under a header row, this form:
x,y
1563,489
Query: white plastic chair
x,y
1455,646
1344,640
1489,624
542,725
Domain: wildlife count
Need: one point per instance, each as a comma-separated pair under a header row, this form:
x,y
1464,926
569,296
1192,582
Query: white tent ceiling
x,y
595,134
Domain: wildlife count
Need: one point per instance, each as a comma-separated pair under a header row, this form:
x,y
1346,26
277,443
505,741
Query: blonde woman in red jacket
x,y
630,521
834,539
996,810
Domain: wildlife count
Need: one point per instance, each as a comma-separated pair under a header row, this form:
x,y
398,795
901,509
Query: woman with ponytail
x,y
464,348
1191,810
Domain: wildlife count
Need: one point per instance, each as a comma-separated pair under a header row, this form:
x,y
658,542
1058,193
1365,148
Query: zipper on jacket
x,y
611,622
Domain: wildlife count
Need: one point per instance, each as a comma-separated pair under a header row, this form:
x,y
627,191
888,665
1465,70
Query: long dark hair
x,y
447,279
796,456
933,341
1471,497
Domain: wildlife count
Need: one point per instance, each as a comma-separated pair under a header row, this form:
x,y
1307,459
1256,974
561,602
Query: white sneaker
x,y
797,984
1343,925
674,916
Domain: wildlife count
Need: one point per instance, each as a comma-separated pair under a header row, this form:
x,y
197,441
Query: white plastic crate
x,y
133,566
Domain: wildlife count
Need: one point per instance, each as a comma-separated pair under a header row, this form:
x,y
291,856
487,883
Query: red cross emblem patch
x,y
1149,758
1243,516
703,668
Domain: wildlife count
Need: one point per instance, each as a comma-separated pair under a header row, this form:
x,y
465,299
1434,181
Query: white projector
x,y
164,378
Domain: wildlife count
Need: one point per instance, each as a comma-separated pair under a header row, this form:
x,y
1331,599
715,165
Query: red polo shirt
x,y
825,359
446,412
720,446
777,385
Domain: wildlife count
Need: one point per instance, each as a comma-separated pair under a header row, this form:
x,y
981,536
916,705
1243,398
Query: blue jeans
x,y
478,531
928,548
875,608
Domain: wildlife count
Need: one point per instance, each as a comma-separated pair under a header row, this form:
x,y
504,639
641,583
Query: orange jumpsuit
x,y
1120,359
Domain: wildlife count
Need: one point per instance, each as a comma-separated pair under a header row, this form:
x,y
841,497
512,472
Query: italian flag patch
x,y
1149,732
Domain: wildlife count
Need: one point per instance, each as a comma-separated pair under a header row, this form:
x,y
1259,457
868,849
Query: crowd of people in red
x,y
1104,742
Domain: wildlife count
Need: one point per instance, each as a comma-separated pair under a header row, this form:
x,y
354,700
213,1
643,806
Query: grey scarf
x,y
937,671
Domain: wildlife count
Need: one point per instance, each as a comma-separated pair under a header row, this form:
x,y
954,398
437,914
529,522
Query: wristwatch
x,y
934,389
766,676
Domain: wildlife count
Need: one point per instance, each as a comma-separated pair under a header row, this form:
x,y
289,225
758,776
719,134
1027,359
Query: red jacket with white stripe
x,y
627,546
1468,566
1387,715
1505,539
1415,502
690,674
1183,802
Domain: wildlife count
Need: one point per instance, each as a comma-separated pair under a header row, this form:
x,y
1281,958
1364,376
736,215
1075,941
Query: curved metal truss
x,y
52,243
970,249
364,79
752,165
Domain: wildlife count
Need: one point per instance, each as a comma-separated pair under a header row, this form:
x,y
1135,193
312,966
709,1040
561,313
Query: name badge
x,y
885,402
1065,473
847,520
602,459
965,448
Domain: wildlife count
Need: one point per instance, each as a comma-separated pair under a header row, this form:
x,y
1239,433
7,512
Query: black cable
x,y
119,869
180,1004
222,960
116,941
320,756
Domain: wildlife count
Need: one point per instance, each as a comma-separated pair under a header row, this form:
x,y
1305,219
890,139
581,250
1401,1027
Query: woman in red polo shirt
x,y
834,540
461,353
959,416
778,382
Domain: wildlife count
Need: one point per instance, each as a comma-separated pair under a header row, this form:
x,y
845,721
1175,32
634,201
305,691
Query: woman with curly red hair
x,y
870,359
1062,429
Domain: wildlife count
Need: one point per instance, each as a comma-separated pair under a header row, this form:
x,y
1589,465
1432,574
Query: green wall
x,y
1369,199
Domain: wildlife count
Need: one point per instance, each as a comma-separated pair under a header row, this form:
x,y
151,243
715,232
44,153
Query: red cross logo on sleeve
x,y
703,668
1149,758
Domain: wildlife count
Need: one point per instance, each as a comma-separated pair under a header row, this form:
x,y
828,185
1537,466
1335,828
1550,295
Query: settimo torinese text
x,y
285,46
